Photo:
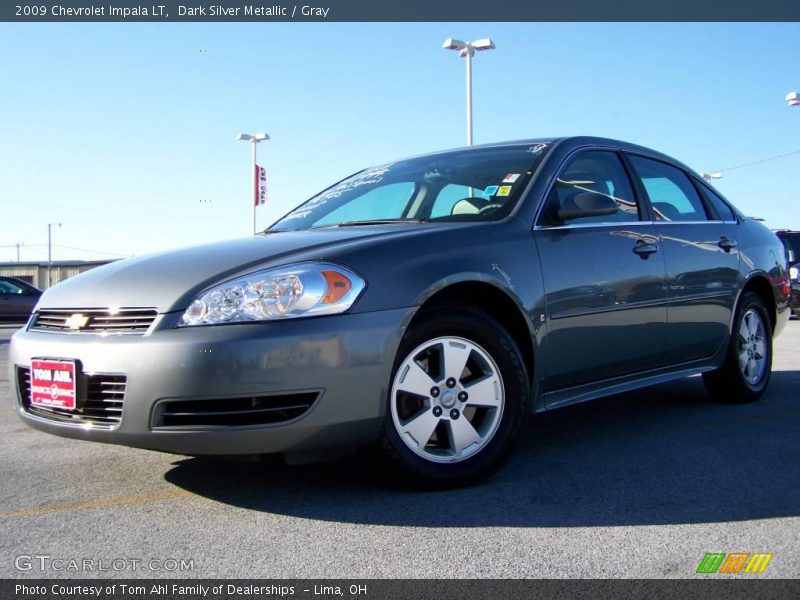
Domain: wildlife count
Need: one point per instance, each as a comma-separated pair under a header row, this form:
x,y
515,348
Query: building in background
x,y
35,273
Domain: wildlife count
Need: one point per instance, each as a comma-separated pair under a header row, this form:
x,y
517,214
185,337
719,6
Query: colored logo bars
x,y
719,562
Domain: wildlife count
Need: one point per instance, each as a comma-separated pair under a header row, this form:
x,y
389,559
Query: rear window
x,y
791,242
720,206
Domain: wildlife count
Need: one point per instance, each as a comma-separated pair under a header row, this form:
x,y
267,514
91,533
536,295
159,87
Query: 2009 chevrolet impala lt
x,y
429,304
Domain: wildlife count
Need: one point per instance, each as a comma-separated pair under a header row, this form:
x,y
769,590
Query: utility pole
x,y
50,253
18,244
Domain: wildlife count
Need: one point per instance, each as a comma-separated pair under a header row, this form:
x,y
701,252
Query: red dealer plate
x,y
53,384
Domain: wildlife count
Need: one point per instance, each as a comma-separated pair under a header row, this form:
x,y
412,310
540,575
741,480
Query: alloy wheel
x,y
447,399
752,347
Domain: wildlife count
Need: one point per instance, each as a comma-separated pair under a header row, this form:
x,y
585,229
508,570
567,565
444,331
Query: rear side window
x,y
671,193
720,206
594,171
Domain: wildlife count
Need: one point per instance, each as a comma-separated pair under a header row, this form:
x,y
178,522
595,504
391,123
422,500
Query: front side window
x,y
594,172
671,193
482,184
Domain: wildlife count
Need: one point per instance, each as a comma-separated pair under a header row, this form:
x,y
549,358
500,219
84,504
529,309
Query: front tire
x,y
745,374
458,398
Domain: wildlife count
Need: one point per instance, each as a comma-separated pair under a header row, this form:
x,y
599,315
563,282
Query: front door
x,y
603,278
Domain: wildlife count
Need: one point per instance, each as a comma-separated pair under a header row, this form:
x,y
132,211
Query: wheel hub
x,y
448,399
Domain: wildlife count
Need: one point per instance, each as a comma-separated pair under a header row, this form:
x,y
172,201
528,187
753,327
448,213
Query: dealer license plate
x,y
53,384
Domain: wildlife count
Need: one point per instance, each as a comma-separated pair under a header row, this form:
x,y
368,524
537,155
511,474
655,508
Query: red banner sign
x,y
260,186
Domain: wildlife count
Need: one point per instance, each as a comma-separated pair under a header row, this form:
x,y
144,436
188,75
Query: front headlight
x,y
794,275
302,290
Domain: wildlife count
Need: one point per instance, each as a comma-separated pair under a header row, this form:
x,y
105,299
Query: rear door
x,y
603,278
701,256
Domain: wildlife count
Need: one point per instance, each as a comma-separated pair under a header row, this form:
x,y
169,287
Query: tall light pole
x,y
793,99
254,139
50,252
467,50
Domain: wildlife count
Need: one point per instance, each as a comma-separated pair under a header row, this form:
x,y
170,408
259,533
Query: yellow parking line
x,y
99,503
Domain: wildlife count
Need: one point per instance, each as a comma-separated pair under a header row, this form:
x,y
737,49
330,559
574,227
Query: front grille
x,y
99,402
98,320
232,412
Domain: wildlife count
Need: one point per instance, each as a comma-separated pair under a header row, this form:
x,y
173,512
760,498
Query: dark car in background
x,y
17,299
428,304
791,241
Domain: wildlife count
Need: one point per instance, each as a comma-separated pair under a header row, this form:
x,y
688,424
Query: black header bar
x,y
161,11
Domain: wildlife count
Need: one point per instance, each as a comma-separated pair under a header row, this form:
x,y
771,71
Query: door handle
x,y
644,249
726,243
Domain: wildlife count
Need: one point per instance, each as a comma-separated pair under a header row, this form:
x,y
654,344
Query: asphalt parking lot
x,y
638,485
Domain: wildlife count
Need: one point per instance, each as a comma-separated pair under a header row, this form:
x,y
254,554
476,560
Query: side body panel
x,y
702,283
605,304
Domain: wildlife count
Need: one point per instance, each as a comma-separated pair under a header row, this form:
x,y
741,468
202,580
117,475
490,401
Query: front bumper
x,y
345,359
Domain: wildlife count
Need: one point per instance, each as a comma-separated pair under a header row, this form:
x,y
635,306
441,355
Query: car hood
x,y
169,281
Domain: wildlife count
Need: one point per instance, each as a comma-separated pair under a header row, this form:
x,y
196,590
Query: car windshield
x,y
792,242
465,185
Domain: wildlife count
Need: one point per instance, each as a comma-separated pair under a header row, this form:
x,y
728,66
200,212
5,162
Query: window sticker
x,y
535,149
491,190
368,176
504,190
511,178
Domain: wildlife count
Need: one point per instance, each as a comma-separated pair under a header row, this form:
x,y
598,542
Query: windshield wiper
x,y
379,222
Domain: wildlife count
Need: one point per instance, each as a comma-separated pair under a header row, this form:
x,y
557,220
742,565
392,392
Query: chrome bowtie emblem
x,y
76,321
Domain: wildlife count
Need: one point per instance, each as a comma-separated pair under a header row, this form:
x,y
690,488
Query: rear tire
x,y
745,374
458,398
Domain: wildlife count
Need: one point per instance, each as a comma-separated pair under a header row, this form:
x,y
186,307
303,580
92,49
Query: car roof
x,y
574,141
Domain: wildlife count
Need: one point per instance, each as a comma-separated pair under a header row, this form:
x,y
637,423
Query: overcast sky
x,y
125,132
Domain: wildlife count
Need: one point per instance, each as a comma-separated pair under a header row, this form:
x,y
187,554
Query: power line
x,y
70,248
92,251
755,162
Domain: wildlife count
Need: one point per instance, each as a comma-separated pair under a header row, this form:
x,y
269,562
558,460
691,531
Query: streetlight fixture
x,y
710,176
50,252
793,99
467,50
254,139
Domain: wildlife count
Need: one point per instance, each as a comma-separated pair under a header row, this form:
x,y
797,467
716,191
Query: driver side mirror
x,y
586,204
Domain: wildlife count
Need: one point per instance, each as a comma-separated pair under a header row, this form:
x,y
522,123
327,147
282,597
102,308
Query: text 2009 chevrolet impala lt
x,y
430,304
